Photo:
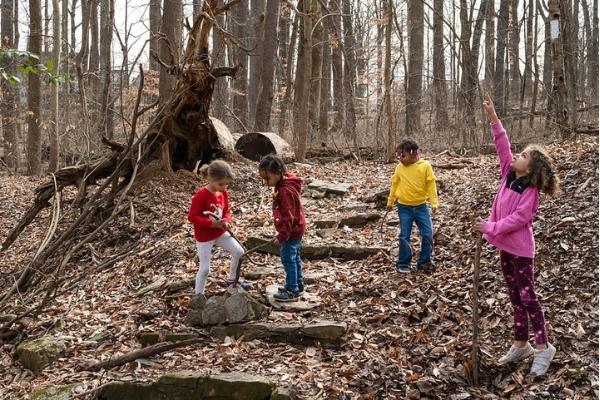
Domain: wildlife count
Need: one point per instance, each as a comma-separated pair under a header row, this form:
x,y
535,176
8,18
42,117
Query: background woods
x,y
535,57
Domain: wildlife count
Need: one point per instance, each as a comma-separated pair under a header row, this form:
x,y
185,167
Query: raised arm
x,y
500,137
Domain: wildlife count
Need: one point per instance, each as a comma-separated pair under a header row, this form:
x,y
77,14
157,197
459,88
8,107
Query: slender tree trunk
x,y
47,21
529,55
325,97
94,44
547,69
559,89
387,71
54,122
73,27
489,46
593,67
380,49
304,95
197,6
172,20
65,36
513,50
468,75
220,94
589,39
349,73
155,18
107,18
239,28
288,56
499,88
569,54
34,139
85,32
257,8
269,40
337,67
8,93
574,22
440,94
536,74
315,80
415,67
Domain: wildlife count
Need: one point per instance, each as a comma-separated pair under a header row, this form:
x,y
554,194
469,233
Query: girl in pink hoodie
x,y
509,228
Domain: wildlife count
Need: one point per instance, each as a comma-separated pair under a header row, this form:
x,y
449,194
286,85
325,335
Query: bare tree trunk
x,y
325,98
34,139
171,27
489,46
239,28
46,37
415,67
593,67
94,44
85,33
380,48
155,17
269,40
197,6
337,67
304,95
440,93
107,18
536,73
513,50
387,71
467,83
54,122
574,22
220,94
288,55
73,27
349,73
65,37
569,54
8,93
559,89
499,88
315,80
529,55
547,68
257,8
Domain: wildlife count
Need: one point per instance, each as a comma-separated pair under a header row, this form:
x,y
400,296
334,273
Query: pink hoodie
x,y
509,226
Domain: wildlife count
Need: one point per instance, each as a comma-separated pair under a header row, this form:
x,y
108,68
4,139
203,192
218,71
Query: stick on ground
x,y
475,307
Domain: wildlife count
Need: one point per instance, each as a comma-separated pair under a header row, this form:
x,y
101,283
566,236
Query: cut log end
x,y
255,145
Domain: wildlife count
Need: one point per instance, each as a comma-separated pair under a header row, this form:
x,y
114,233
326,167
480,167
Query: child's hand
x,y
219,224
488,106
479,223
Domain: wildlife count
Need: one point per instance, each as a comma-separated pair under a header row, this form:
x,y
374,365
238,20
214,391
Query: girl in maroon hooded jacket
x,y
289,223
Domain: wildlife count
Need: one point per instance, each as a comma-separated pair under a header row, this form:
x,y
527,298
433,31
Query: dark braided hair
x,y
542,173
408,145
272,164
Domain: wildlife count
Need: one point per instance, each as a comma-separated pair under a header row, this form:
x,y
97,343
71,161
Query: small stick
x,y
475,307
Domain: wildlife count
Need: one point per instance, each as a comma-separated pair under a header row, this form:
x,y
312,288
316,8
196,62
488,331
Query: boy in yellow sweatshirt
x,y
413,185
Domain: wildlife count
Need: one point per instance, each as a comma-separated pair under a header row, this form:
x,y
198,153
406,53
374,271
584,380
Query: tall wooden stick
x,y
475,307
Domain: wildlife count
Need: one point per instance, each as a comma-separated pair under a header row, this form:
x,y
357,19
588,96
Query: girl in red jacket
x,y
211,217
289,223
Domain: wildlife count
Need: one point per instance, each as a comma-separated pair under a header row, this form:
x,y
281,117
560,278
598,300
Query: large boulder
x,y
235,306
38,353
64,392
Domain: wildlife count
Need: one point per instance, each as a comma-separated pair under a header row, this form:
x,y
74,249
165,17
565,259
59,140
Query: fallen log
x,y
319,252
255,145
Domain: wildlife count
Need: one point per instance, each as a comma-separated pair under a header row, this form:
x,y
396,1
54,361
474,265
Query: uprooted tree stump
x,y
255,145
180,136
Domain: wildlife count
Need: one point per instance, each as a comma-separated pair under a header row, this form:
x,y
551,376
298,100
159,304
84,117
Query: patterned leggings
x,y
518,274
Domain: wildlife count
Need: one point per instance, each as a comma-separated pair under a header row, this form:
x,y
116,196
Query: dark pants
x,y
518,274
290,258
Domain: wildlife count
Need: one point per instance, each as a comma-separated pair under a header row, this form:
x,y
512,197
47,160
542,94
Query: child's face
x,y
269,178
218,185
520,162
406,157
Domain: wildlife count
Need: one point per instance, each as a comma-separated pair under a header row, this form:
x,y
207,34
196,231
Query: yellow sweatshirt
x,y
413,185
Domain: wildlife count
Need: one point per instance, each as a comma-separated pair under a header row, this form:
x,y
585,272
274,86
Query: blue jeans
x,y
406,216
290,258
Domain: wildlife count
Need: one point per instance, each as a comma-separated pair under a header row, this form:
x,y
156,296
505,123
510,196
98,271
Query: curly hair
x,y
216,170
408,145
272,164
542,173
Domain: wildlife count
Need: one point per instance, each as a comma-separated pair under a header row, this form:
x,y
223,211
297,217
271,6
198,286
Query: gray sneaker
x,y
516,354
542,359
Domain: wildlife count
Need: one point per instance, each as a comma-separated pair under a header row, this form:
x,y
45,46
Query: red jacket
x,y
287,208
205,200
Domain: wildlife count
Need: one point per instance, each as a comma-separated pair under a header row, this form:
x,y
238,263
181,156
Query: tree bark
x,y
415,67
468,82
8,93
288,56
387,71
94,43
593,64
269,40
54,133
107,18
239,28
499,88
489,46
85,33
440,94
337,67
73,27
34,144
220,94
559,89
513,50
316,75
305,88
349,73
325,98
529,56
257,17
569,57
171,27
155,18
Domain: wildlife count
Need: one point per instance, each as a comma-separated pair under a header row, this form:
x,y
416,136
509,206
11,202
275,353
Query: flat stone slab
x,y
36,354
329,187
308,301
190,385
322,331
147,338
63,392
256,273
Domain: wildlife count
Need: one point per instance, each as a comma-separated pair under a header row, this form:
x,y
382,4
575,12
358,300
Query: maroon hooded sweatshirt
x,y
287,208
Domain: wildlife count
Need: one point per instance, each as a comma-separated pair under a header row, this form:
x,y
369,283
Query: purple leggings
x,y
518,274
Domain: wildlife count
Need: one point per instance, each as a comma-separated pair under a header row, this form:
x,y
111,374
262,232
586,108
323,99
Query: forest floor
x,y
409,335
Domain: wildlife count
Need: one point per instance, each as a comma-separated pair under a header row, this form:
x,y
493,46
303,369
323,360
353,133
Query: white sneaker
x,y
516,354
542,359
